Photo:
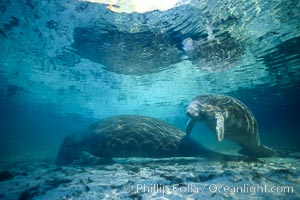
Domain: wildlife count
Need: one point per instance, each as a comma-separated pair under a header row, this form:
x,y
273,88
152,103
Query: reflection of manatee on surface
x,y
126,53
215,53
229,118
129,136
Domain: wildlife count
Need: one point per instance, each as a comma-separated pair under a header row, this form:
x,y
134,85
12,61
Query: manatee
x,y
129,136
229,118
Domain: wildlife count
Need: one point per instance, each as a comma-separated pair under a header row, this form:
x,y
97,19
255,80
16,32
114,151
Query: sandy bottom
x,y
135,178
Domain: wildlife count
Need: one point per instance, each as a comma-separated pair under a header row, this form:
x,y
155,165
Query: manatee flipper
x,y
219,126
190,125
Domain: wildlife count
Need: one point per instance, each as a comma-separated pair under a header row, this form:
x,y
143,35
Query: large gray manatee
x,y
230,118
129,136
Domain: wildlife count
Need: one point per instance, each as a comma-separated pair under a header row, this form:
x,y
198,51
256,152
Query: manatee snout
x,y
193,110
68,150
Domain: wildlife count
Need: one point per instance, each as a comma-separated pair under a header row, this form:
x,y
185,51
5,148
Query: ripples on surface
x,y
85,57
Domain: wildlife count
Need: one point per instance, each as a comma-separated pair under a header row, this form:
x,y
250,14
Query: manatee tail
x,y
264,151
190,147
260,151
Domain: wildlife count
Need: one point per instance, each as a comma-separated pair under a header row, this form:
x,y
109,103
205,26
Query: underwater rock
x,y
29,193
117,181
288,152
14,22
235,179
26,195
172,178
203,177
128,136
55,182
5,175
51,24
2,33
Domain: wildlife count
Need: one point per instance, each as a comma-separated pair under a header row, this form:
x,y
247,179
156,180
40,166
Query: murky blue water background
x,y
66,64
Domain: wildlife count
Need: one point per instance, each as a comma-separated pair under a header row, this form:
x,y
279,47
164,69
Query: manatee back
x,y
133,135
124,136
